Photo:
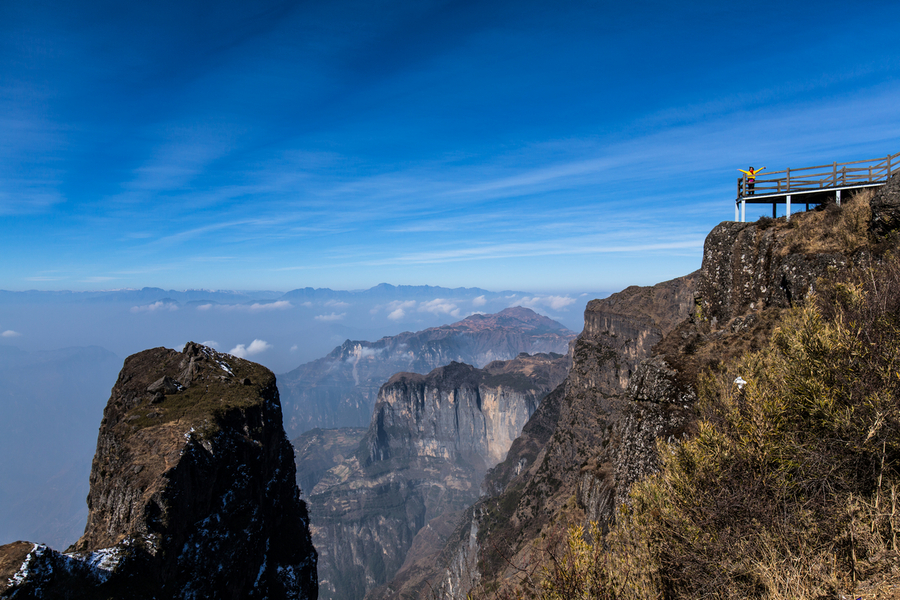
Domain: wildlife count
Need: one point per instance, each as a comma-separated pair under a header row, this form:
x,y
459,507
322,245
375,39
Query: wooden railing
x,y
835,175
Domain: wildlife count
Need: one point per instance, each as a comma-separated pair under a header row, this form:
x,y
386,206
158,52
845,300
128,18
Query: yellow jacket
x,y
751,174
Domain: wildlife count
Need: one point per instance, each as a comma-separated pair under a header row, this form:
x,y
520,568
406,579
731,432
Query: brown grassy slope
x,y
788,488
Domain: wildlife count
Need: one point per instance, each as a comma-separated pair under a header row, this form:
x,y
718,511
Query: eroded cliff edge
x,y
431,440
635,367
192,495
340,389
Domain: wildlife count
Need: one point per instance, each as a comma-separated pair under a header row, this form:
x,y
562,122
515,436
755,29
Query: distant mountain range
x,y
153,294
339,390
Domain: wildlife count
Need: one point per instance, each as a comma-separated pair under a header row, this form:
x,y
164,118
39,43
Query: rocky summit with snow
x,y
192,492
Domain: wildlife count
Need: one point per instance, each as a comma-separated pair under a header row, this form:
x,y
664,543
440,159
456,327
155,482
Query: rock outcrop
x,y
192,495
633,381
340,390
588,441
430,443
885,207
319,450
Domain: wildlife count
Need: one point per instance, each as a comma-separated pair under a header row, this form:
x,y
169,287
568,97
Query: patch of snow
x,y
262,567
225,367
103,562
20,576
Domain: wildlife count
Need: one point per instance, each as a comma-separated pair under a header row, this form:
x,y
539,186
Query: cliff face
x,y
431,440
586,441
192,492
633,375
340,389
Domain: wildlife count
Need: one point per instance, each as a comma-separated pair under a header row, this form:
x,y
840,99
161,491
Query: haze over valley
x,y
439,300
63,351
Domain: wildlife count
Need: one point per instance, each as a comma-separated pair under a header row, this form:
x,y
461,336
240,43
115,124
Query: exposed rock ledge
x,y
193,492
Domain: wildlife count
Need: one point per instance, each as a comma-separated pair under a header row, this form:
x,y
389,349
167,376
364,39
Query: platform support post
x,y
787,209
736,212
743,209
837,197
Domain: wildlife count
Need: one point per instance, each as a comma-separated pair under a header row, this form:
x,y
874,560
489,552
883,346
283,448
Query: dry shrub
x,y
788,490
833,229
782,492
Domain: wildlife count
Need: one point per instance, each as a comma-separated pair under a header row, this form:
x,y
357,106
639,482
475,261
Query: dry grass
x,y
830,229
790,490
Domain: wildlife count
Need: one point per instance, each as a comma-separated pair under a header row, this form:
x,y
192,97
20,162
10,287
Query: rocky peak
x,y
431,440
341,389
193,490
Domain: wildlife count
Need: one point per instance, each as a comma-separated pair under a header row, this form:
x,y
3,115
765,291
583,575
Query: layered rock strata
x,y
340,390
430,443
193,492
635,369
588,442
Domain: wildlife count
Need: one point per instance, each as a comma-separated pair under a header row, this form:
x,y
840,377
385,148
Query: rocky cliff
x,y
431,440
633,376
192,492
340,389
581,450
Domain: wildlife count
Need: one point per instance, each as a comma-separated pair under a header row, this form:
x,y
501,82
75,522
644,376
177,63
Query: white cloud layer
x,y
331,317
252,308
255,347
439,306
9,333
157,306
551,302
400,309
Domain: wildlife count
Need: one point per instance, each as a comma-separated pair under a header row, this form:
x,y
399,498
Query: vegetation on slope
x,y
788,490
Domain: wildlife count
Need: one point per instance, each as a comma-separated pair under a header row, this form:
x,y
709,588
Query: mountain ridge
x,y
430,440
339,389
191,450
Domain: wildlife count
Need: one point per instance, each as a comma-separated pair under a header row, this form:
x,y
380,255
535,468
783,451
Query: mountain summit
x,y
193,492
339,390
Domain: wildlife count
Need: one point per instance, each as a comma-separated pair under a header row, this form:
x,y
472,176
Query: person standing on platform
x,y
751,178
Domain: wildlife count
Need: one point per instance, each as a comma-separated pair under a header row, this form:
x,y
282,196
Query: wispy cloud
x,y
256,307
551,302
396,309
158,306
255,347
439,306
546,248
9,333
331,317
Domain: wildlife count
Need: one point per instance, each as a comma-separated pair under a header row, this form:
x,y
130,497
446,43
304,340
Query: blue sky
x,y
523,145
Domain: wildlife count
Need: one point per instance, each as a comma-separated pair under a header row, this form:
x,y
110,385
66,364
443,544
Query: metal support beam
x,y
837,197
736,210
743,210
787,210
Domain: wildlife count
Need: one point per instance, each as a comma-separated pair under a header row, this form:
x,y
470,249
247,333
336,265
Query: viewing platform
x,y
812,185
